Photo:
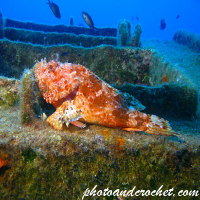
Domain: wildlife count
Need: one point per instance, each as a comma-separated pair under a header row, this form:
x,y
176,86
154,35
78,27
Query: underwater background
x,y
148,54
108,13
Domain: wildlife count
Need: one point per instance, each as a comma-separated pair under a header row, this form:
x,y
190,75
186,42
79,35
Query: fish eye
x,y
51,67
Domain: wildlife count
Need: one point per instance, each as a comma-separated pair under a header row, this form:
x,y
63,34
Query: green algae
x,y
10,98
24,118
29,155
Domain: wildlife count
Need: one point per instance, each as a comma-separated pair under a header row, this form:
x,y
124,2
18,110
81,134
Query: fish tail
x,y
159,126
150,124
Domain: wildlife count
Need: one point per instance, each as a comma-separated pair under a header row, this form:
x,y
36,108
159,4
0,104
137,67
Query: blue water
x,y
107,13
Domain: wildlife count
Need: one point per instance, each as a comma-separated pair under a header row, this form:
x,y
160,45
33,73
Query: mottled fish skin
x,y
88,20
55,9
80,96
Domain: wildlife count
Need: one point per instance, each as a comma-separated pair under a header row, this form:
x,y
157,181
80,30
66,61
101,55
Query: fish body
x,y
88,20
162,24
55,9
178,16
79,97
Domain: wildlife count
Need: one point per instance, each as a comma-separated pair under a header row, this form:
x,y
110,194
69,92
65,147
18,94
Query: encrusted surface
x,y
9,91
114,65
62,164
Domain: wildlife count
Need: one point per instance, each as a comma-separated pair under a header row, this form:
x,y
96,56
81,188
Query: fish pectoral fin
x,y
65,114
71,114
78,124
131,129
56,119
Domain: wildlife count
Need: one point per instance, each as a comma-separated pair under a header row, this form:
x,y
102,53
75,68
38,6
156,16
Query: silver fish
x,y
88,20
54,8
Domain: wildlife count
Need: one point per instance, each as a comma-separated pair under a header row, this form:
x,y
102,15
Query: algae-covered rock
x,y
9,91
136,36
110,32
36,37
28,97
112,64
124,37
166,100
123,33
162,71
63,164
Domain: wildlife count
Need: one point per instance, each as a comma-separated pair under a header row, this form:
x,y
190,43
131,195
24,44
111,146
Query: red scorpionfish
x,y
80,97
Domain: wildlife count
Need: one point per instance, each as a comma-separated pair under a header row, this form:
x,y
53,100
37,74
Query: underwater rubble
x,y
39,162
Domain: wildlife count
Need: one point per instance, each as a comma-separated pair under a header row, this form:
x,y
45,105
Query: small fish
x,y
137,17
178,16
165,79
88,20
132,18
162,24
80,97
54,8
